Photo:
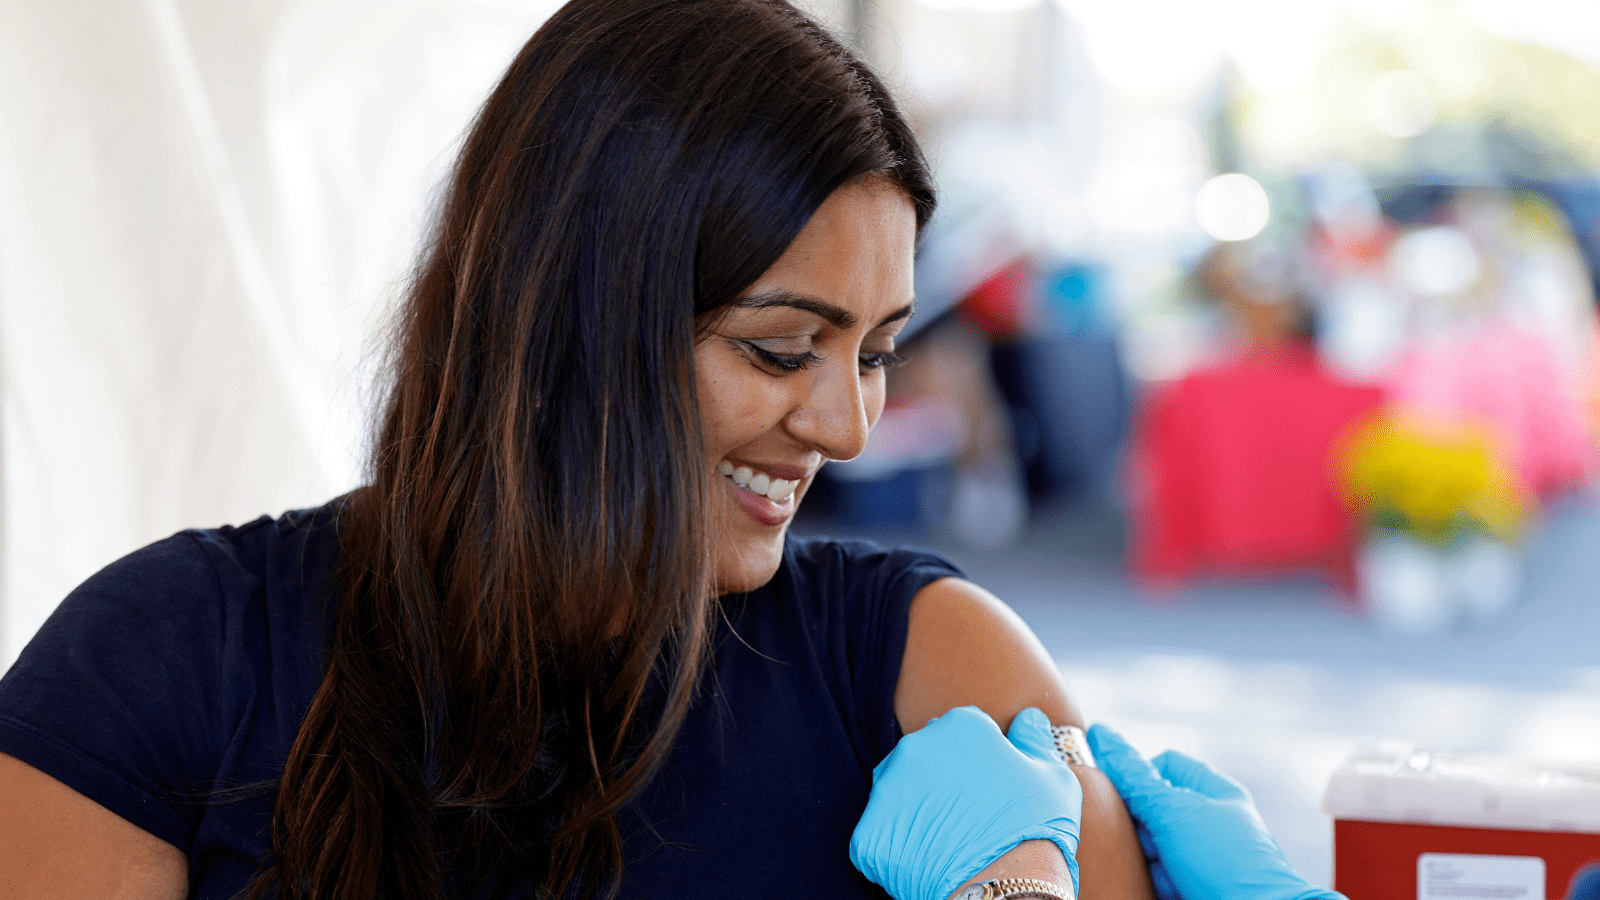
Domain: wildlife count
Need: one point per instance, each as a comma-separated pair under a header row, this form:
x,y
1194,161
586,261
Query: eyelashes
x,y
783,362
881,360
794,362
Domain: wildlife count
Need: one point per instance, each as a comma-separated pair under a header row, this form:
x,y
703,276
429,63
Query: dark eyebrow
x,y
903,312
833,315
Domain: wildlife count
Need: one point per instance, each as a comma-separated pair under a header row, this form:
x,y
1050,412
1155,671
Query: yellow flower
x,y
1430,479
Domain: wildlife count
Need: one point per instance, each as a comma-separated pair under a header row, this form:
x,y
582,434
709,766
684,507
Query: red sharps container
x,y
1417,825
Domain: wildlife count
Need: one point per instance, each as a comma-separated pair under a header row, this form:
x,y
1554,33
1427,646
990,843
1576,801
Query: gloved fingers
x,y
883,764
1159,879
1133,777
968,720
1162,882
1183,770
945,800
948,735
1030,733
1147,843
1071,856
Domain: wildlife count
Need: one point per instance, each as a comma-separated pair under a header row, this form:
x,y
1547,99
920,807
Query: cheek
x,y
736,408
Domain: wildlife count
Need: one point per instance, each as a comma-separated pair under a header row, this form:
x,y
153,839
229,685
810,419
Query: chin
x,y
748,563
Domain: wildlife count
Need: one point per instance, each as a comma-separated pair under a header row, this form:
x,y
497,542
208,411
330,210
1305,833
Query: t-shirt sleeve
x,y
117,695
870,589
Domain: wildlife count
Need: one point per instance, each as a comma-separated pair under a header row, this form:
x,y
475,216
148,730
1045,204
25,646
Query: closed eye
x,y
886,360
783,362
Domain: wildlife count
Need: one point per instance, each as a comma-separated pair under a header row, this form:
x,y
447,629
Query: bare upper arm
x,y
965,647
55,842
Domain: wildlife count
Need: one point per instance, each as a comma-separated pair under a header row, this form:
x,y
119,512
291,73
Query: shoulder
x,y
861,569
199,557
151,673
175,607
197,577
292,550
858,591
842,606
965,647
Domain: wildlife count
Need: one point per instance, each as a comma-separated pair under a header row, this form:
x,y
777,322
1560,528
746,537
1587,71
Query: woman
x,y
560,644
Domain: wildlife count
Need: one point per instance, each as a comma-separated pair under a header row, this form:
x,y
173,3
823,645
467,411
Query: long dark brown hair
x,y
532,556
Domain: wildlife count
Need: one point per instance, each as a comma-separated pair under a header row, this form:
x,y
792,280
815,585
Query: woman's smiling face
x,y
792,375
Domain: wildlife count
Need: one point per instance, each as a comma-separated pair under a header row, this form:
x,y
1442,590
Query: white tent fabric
x,y
206,209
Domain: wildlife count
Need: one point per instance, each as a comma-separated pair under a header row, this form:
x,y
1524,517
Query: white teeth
x,y
781,490
777,490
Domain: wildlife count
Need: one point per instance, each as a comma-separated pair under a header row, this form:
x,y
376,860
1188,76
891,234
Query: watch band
x,y
1017,888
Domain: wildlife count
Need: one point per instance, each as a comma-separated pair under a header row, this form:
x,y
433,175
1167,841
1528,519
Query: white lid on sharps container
x,y
1399,783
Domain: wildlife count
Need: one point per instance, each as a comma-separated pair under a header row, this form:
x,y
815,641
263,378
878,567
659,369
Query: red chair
x,y
1232,470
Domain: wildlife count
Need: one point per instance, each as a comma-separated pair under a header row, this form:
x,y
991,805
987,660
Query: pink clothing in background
x,y
1505,379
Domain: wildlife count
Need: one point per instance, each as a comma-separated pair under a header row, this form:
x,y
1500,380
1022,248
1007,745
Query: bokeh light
x,y
1435,262
1232,207
1401,104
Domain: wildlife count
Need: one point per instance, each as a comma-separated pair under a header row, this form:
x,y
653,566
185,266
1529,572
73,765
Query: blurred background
x,y
1255,364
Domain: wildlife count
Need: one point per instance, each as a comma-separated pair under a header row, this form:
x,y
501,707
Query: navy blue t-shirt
x,y
183,671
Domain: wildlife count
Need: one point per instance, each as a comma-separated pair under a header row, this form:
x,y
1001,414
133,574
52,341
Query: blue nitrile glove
x,y
954,797
1199,828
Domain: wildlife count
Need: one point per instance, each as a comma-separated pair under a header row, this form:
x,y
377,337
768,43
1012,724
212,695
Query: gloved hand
x,y
954,797
1199,828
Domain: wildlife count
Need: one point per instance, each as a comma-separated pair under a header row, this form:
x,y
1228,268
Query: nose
x,y
837,413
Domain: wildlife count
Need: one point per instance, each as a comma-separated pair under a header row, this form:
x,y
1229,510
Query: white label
x,y
1460,876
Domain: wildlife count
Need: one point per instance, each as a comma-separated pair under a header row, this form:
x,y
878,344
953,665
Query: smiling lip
x,y
760,508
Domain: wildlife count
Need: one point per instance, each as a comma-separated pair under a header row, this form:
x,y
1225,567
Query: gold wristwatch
x,y
1015,889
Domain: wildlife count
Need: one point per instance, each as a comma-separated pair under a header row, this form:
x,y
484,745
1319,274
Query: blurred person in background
x,y
1253,284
